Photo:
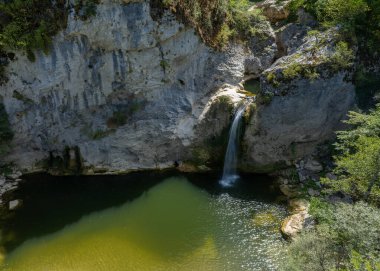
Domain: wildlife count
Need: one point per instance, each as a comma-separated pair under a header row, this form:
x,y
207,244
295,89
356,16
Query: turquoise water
x,y
162,223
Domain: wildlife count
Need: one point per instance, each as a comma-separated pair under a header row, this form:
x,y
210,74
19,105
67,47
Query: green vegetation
x,y
343,56
6,133
358,161
313,65
119,118
29,24
217,21
85,9
367,87
346,238
356,19
17,95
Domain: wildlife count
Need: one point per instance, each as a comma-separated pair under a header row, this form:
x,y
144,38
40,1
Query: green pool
x,y
143,222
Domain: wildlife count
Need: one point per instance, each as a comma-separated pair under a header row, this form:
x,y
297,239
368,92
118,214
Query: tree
x,y
358,159
349,241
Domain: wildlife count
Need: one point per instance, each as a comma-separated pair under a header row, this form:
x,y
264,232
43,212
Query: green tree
x,y
358,160
349,240
346,13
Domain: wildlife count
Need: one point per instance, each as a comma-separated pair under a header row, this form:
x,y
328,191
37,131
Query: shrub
x,y
6,133
119,118
349,239
343,56
216,21
85,8
367,84
346,13
31,24
358,158
355,18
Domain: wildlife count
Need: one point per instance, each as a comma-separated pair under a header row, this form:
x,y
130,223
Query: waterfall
x,y
230,161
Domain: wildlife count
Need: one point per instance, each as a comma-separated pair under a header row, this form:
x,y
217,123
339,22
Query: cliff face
x,y
122,91
306,94
126,90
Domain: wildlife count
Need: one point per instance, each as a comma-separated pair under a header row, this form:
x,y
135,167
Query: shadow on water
x,y
51,203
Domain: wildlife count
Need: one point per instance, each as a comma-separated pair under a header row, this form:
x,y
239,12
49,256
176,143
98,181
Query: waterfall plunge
x,y
230,161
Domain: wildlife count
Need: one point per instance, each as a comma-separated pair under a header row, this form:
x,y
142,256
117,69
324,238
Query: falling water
x,y
230,161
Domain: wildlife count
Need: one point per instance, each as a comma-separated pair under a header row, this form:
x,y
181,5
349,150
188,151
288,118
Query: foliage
x,y
295,69
272,79
85,8
30,24
343,56
349,240
355,18
119,118
6,133
201,156
358,161
321,210
17,95
345,13
367,84
217,21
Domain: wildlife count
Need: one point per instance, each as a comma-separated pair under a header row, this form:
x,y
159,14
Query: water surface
x,y
163,222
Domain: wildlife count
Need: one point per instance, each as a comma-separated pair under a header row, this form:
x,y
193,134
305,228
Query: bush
x,y
343,57
85,8
31,24
350,240
358,158
346,13
216,21
356,18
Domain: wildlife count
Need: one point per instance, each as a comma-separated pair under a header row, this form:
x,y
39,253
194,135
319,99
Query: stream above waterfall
x,y
144,221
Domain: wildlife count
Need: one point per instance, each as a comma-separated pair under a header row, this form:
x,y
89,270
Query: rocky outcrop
x,y
304,96
121,91
274,10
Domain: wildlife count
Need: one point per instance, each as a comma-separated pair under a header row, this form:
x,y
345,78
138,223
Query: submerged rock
x,y
14,204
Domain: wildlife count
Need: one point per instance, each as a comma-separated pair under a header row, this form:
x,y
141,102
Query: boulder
x,y
14,204
298,220
274,10
293,224
313,165
290,191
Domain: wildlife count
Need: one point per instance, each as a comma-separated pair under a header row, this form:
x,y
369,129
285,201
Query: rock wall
x,y
122,91
125,90
305,95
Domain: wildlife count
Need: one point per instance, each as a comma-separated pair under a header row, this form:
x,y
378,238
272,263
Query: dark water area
x,y
51,204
